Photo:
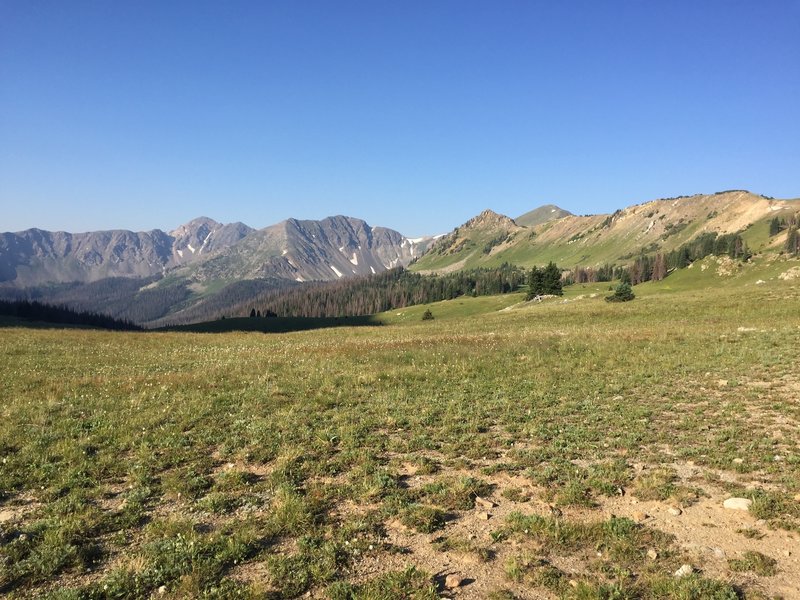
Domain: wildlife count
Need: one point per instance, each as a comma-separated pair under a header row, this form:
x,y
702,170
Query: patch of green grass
x,y
754,562
409,584
425,519
456,494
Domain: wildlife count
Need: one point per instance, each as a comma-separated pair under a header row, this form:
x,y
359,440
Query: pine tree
x,y
793,241
552,280
774,227
623,293
535,283
659,267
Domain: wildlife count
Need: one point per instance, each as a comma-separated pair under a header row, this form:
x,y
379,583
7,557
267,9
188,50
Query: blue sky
x,y
414,115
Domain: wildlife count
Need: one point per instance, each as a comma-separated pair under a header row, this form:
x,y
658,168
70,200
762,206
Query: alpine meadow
x,y
493,444
399,300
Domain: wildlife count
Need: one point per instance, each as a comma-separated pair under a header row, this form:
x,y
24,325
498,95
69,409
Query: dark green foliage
x,y
654,268
427,315
124,298
623,293
793,241
36,311
543,282
590,274
495,241
774,227
396,288
674,228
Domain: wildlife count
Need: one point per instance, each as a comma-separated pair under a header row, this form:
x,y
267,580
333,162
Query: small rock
x,y
573,583
617,398
639,517
162,590
6,515
718,552
797,497
652,554
484,516
722,382
484,503
674,511
787,552
453,581
737,503
684,571
738,461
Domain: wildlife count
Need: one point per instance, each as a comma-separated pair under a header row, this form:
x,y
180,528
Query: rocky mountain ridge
x,y
655,226
205,250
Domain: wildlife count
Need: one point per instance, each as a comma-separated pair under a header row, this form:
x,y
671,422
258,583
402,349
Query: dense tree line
x,y
656,267
589,274
706,244
396,288
36,311
230,300
124,298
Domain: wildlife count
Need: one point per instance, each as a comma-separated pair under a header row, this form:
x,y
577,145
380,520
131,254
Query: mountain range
x,y
202,267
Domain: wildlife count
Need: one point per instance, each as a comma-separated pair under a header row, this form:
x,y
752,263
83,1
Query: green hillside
x,y
657,226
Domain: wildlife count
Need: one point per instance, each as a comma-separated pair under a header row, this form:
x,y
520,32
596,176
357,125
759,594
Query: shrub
x,y
623,293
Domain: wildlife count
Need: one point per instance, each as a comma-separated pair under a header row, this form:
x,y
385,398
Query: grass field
x,y
574,449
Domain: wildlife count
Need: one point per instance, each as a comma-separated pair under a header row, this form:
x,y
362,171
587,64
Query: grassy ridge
x,y
243,465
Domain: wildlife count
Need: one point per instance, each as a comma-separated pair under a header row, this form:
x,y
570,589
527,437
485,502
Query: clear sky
x,y
412,114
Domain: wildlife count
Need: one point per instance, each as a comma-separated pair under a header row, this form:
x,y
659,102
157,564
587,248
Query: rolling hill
x,y
658,225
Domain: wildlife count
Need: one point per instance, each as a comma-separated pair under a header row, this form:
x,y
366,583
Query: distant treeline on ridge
x,y
396,288
36,311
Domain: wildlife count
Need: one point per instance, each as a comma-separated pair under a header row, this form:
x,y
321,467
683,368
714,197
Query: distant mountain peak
x,y
543,214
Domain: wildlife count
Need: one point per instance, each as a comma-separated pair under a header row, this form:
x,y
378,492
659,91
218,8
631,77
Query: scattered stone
x,y
620,491
652,554
162,590
738,461
797,497
573,583
684,571
722,383
787,552
453,581
617,398
639,517
6,515
484,503
484,516
674,511
737,503
718,552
